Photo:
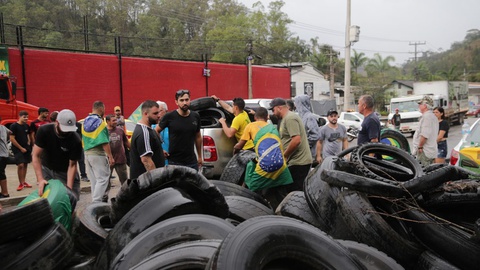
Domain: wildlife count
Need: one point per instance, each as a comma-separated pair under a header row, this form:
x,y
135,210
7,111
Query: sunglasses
x,y
181,93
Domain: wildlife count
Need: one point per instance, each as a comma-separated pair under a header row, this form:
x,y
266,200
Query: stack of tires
x,y
423,218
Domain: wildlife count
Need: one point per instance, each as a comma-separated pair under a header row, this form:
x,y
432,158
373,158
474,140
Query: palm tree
x,y
380,65
358,60
450,75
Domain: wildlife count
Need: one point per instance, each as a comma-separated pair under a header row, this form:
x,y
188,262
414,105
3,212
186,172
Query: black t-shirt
x,y
21,132
145,141
396,119
443,125
57,151
370,129
182,132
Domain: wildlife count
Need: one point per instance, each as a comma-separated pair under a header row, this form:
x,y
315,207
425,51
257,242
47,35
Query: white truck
x,y
349,119
452,96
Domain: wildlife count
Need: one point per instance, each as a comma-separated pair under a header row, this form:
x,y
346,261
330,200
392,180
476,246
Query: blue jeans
x,y
442,149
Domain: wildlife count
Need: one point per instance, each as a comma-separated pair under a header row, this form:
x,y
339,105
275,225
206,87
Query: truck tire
x,y
209,117
161,205
234,171
370,256
394,138
242,208
431,261
275,242
202,103
187,179
231,189
295,205
172,231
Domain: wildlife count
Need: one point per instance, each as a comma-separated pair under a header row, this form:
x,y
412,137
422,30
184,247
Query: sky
x,y
387,27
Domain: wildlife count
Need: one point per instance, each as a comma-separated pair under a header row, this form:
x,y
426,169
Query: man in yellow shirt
x,y
240,121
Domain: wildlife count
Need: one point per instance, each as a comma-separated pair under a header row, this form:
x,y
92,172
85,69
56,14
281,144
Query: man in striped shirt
x,y
146,152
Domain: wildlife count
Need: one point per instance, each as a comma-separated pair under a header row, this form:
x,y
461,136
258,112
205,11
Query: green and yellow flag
x,y
94,132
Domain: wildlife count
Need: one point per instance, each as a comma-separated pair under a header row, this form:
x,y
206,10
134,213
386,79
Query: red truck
x,y
9,105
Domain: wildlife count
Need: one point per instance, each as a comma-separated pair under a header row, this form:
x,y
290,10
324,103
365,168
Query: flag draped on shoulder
x,y
94,132
270,168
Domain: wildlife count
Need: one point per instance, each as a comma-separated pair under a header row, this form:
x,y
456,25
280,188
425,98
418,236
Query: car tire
x,y
231,189
371,257
434,179
89,232
188,255
53,250
242,208
370,228
187,179
202,103
295,205
170,232
275,242
25,220
394,138
163,204
234,171
362,184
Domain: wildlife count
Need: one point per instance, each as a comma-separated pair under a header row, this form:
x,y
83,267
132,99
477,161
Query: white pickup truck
x,y
350,119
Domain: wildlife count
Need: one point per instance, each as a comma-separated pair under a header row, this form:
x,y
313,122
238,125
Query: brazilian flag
x,y
270,168
94,132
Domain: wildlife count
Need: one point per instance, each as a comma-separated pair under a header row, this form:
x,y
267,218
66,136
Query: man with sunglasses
x,y
184,132
57,149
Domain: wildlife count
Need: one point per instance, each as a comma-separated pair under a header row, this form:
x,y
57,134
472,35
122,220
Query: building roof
x,y
406,83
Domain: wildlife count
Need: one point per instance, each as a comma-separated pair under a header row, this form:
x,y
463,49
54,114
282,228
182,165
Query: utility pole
x,y
249,65
346,93
416,67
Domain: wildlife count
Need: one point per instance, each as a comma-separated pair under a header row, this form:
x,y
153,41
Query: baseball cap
x,y
277,102
332,111
426,100
67,121
117,108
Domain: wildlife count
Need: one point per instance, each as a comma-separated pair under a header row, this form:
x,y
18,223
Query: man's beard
x,y
333,122
152,121
184,108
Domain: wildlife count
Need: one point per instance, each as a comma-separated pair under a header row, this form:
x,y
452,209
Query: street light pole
x,y
346,93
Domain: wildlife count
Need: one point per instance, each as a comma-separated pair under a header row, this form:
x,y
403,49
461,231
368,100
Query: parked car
x,y
474,111
466,153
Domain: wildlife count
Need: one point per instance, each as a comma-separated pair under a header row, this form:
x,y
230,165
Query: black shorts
x,y
3,165
23,157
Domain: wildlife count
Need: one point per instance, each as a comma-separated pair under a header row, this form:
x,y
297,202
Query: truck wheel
x,y
234,171
202,103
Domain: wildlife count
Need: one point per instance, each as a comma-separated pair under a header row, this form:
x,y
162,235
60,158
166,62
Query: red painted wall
x,y
59,80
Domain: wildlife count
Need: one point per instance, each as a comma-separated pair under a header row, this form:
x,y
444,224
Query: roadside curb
x,y
12,201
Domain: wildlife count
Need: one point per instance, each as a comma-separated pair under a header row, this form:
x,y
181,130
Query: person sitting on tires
x,y
332,138
240,121
268,174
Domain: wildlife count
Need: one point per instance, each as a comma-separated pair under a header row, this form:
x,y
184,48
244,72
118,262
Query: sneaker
x,y
85,179
20,187
27,185
4,196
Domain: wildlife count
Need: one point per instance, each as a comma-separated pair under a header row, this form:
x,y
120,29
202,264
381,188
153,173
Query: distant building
x,y
399,88
474,92
306,79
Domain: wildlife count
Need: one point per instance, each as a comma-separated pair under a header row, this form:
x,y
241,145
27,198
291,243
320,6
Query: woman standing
x,y
443,128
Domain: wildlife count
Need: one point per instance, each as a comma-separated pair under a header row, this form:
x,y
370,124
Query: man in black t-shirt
x,y
370,131
56,152
21,147
184,132
146,152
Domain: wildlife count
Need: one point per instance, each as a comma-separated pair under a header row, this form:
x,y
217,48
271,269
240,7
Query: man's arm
x,y
37,167
319,151
224,105
198,145
108,151
294,143
229,131
239,146
148,162
71,172
16,144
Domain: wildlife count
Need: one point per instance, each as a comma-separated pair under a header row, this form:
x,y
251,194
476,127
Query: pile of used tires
x,y
378,209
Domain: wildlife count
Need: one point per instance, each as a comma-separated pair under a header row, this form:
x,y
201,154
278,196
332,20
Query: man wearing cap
x,y
56,152
119,116
41,120
370,130
333,137
294,140
425,138
396,120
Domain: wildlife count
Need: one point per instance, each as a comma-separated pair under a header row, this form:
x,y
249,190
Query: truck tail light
x,y
209,149
454,157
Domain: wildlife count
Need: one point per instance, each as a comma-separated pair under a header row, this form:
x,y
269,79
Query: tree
x,y
357,60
